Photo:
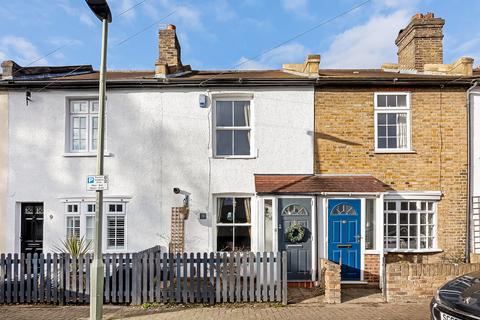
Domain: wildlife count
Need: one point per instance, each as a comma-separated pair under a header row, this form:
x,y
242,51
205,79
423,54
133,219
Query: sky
x,y
229,34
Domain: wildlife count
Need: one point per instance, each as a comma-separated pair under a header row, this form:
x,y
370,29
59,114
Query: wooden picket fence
x,y
146,277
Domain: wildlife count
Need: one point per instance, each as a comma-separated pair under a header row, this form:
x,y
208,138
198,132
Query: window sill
x,y
84,154
395,151
235,157
413,251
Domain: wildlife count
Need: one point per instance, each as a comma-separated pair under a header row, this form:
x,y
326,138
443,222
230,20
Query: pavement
x,y
304,305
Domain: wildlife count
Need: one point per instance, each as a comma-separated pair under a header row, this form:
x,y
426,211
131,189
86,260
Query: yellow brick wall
x,y
344,143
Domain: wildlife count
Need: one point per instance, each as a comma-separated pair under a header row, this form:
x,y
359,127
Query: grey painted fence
x,y
149,276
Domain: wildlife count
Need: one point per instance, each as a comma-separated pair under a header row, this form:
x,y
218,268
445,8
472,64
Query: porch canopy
x,y
318,184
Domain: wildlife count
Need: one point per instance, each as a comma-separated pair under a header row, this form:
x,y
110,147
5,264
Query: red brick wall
x,y
372,268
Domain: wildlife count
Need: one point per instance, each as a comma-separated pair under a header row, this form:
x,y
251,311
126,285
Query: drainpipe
x,y
469,169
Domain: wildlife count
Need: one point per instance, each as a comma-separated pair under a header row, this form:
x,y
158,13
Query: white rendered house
x,y
207,133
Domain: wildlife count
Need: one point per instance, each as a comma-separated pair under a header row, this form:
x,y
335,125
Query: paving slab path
x,y
301,311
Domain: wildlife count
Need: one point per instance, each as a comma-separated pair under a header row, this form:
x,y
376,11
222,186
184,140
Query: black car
x,y
458,299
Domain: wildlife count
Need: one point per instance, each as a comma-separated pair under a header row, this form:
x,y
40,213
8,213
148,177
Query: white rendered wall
x,y
3,167
158,140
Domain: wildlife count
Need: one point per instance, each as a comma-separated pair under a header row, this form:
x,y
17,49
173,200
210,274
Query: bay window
x,y
392,122
233,224
80,222
409,225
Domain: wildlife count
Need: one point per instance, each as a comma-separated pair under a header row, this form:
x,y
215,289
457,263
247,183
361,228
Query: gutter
x,y
469,170
233,82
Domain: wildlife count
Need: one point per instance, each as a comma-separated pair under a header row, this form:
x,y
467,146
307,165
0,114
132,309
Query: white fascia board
x,y
413,195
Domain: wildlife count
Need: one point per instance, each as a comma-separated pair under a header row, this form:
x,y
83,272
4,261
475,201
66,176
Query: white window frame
x,y
82,214
397,248
251,224
89,114
395,110
74,215
88,214
244,128
116,215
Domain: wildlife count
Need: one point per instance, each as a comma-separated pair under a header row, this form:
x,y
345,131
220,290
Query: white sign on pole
x,y
95,183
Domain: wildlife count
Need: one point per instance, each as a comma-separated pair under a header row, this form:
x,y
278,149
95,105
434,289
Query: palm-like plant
x,y
75,246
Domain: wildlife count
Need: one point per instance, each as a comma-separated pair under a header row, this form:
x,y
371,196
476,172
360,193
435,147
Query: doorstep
x,y
301,284
354,282
360,284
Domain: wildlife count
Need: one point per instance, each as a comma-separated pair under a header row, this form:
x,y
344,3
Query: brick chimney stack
x,y
169,60
420,42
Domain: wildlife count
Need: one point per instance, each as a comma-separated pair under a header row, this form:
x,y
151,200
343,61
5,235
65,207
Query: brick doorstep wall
x,y
407,282
331,278
344,144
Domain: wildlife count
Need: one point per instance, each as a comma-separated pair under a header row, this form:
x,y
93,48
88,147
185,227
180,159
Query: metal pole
x,y
97,272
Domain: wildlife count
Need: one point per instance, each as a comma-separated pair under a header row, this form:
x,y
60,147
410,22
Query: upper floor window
x,y
232,128
392,121
83,131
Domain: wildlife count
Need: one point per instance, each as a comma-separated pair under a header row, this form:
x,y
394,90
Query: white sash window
x,y
392,122
83,125
232,128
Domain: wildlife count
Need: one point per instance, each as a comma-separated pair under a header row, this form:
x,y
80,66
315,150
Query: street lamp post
x,y
102,11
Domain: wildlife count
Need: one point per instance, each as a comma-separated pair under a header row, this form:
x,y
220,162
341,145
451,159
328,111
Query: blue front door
x,y
344,236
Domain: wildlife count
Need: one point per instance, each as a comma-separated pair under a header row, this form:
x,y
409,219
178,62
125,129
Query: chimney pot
x,y
417,16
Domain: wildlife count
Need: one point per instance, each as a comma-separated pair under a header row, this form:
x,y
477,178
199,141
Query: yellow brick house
x,y
391,158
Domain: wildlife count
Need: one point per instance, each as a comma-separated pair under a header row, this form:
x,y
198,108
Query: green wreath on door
x,y
295,233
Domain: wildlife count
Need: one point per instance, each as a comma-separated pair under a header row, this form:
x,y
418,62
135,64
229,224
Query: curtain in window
x,y
402,130
248,214
246,114
221,201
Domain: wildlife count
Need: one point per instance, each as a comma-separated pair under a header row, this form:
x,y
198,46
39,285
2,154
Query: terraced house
x,y
356,166
391,159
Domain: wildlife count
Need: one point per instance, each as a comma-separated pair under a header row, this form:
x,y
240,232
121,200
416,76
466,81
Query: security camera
x,y
180,191
186,200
